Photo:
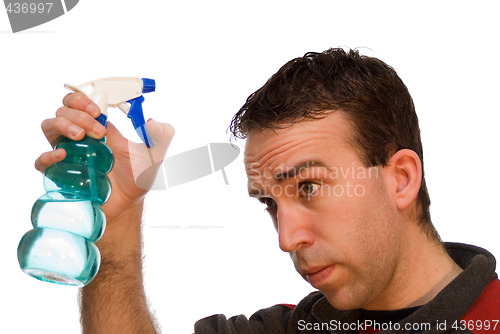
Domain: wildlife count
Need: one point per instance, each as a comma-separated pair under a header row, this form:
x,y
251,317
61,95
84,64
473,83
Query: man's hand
x,y
76,119
114,302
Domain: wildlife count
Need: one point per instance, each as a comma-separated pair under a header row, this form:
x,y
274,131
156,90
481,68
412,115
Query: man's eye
x,y
308,189
268,202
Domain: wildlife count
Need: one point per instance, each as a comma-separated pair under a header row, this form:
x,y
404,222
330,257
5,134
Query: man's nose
x,y
294,228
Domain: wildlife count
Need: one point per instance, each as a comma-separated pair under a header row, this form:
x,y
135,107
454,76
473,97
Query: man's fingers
x,y
80,101
83,120
72,124
145,162
160,132
74,120
49,158
54,128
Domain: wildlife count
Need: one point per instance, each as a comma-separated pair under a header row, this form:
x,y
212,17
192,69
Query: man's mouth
x,y
318,275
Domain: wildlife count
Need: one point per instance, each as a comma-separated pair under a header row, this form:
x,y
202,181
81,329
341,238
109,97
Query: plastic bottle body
x,y
68,219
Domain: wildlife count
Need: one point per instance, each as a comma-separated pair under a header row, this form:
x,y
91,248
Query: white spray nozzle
x,y
117,92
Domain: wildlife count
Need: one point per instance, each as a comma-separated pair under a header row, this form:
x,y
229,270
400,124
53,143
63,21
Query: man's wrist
x,y
127,222
121,246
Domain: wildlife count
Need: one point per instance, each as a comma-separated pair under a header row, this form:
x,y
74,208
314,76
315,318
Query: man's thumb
x,y
161,133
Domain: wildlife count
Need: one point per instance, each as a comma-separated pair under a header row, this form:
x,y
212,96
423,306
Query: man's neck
x,y
424,269
441,271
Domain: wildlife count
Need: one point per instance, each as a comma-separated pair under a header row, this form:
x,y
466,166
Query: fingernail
x,y
99,129
93,110
154,127
75,131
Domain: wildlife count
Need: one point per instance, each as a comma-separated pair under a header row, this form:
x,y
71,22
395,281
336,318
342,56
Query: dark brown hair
x,y
366,89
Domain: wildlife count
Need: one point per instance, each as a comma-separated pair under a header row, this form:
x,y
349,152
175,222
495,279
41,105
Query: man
x,y
333,150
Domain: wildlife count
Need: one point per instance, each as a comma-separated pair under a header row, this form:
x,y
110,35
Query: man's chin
x,y
343,300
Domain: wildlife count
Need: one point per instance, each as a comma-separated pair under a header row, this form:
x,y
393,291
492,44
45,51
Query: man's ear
x,y
406,172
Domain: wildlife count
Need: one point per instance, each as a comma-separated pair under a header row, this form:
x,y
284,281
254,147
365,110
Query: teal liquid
x,y
78,180
68,219
58,256
72,213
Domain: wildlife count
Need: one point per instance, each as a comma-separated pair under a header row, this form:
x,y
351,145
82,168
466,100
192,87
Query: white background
x,y
207,57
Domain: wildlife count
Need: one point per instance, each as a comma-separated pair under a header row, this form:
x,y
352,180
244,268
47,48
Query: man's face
x,y
334,216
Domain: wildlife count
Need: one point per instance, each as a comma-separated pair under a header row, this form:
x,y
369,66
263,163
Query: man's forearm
x,y
115,302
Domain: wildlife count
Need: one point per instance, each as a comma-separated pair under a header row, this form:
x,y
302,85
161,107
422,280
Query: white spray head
x,y
116,92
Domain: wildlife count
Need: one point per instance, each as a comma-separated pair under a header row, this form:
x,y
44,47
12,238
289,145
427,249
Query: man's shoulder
x,y
302,309
487,306
275,319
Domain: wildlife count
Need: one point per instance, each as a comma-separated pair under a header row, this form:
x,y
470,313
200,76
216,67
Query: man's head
x,y
333,149
365,89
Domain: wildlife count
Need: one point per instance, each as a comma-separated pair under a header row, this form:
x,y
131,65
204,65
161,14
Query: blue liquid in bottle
x,y
68,219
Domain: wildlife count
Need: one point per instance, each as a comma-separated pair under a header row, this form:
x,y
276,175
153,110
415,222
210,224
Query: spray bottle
x,y
68,219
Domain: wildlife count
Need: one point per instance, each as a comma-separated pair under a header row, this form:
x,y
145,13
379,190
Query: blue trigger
x,y
137,116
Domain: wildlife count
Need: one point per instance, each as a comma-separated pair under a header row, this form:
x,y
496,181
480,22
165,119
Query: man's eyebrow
x,y
293,171
289,173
